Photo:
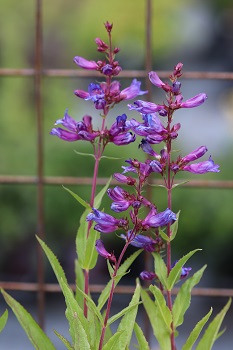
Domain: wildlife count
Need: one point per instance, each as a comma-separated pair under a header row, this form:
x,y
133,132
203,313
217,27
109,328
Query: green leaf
x,y
160,269
183,298
78,198
74,313
196,332
164,235
211,334
3,320
81,340
86,252
92,306
175,272
113,342
174,227
128,320
121,271
34,333
160,330
85,154
111,158
179,184
64,341
79,283
121,313
99,197
163,310
142,342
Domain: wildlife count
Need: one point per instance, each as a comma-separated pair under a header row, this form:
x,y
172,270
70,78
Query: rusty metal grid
x,y
41,288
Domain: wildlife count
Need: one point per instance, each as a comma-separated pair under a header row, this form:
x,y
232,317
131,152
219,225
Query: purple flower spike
x,y
147,276
83,63
194,101
202,167
197,153
132,91
99,245
161,219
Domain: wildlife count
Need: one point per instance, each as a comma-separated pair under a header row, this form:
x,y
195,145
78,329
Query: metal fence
x,y
39,181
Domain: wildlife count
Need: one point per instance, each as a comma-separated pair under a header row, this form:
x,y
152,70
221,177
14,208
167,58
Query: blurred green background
x,y
195,33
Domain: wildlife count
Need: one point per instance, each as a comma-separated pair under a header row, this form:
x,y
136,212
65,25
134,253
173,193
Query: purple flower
x,y
76,130
122,199
95,93
202,167
154,78
147,276
99,245
151,125
194,101
197,153
120,125
155,219
105,222
147,107
146,147
132,91
140,241
83,63
124,179
184,271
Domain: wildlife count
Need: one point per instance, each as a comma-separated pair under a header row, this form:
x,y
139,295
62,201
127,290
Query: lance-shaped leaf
x,y
163,311
175,272
79,283
121,272
128,320
211,334
64,341
78,198
34,333
160,330
160,269
113,342
142,342
196,332
3,320
183,298
174,227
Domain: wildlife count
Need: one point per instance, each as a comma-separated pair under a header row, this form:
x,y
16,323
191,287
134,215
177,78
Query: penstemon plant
x,y
141,225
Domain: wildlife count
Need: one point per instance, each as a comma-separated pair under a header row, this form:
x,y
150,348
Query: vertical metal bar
x,y
40,196
148,67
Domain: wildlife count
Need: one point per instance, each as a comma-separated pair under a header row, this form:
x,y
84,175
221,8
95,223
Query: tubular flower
x,y
83,63
147,107
140,241
184,271
154,78
132,91
202,167
151,125
197,153
99,245
121,199
194,101
118,133
95,93
146,147
127,180
155,219
76,130
105,222
147,276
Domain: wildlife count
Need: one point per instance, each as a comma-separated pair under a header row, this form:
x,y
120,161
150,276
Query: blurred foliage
x,y
69,29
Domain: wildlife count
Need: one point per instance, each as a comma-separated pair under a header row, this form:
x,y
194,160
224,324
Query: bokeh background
x,y
197,33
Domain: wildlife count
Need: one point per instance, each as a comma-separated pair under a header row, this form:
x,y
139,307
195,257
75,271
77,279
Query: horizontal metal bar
x,y
67,180
97,288
74,73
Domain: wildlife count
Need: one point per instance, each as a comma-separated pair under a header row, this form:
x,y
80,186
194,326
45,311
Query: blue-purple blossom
x,y
202,167
147,243
154,219
197,153
148,107
146,147
194,101
121,199
151,125
76,130
83,63
105,222
95,93
132,91
147,276
124,179
99,245
184,271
